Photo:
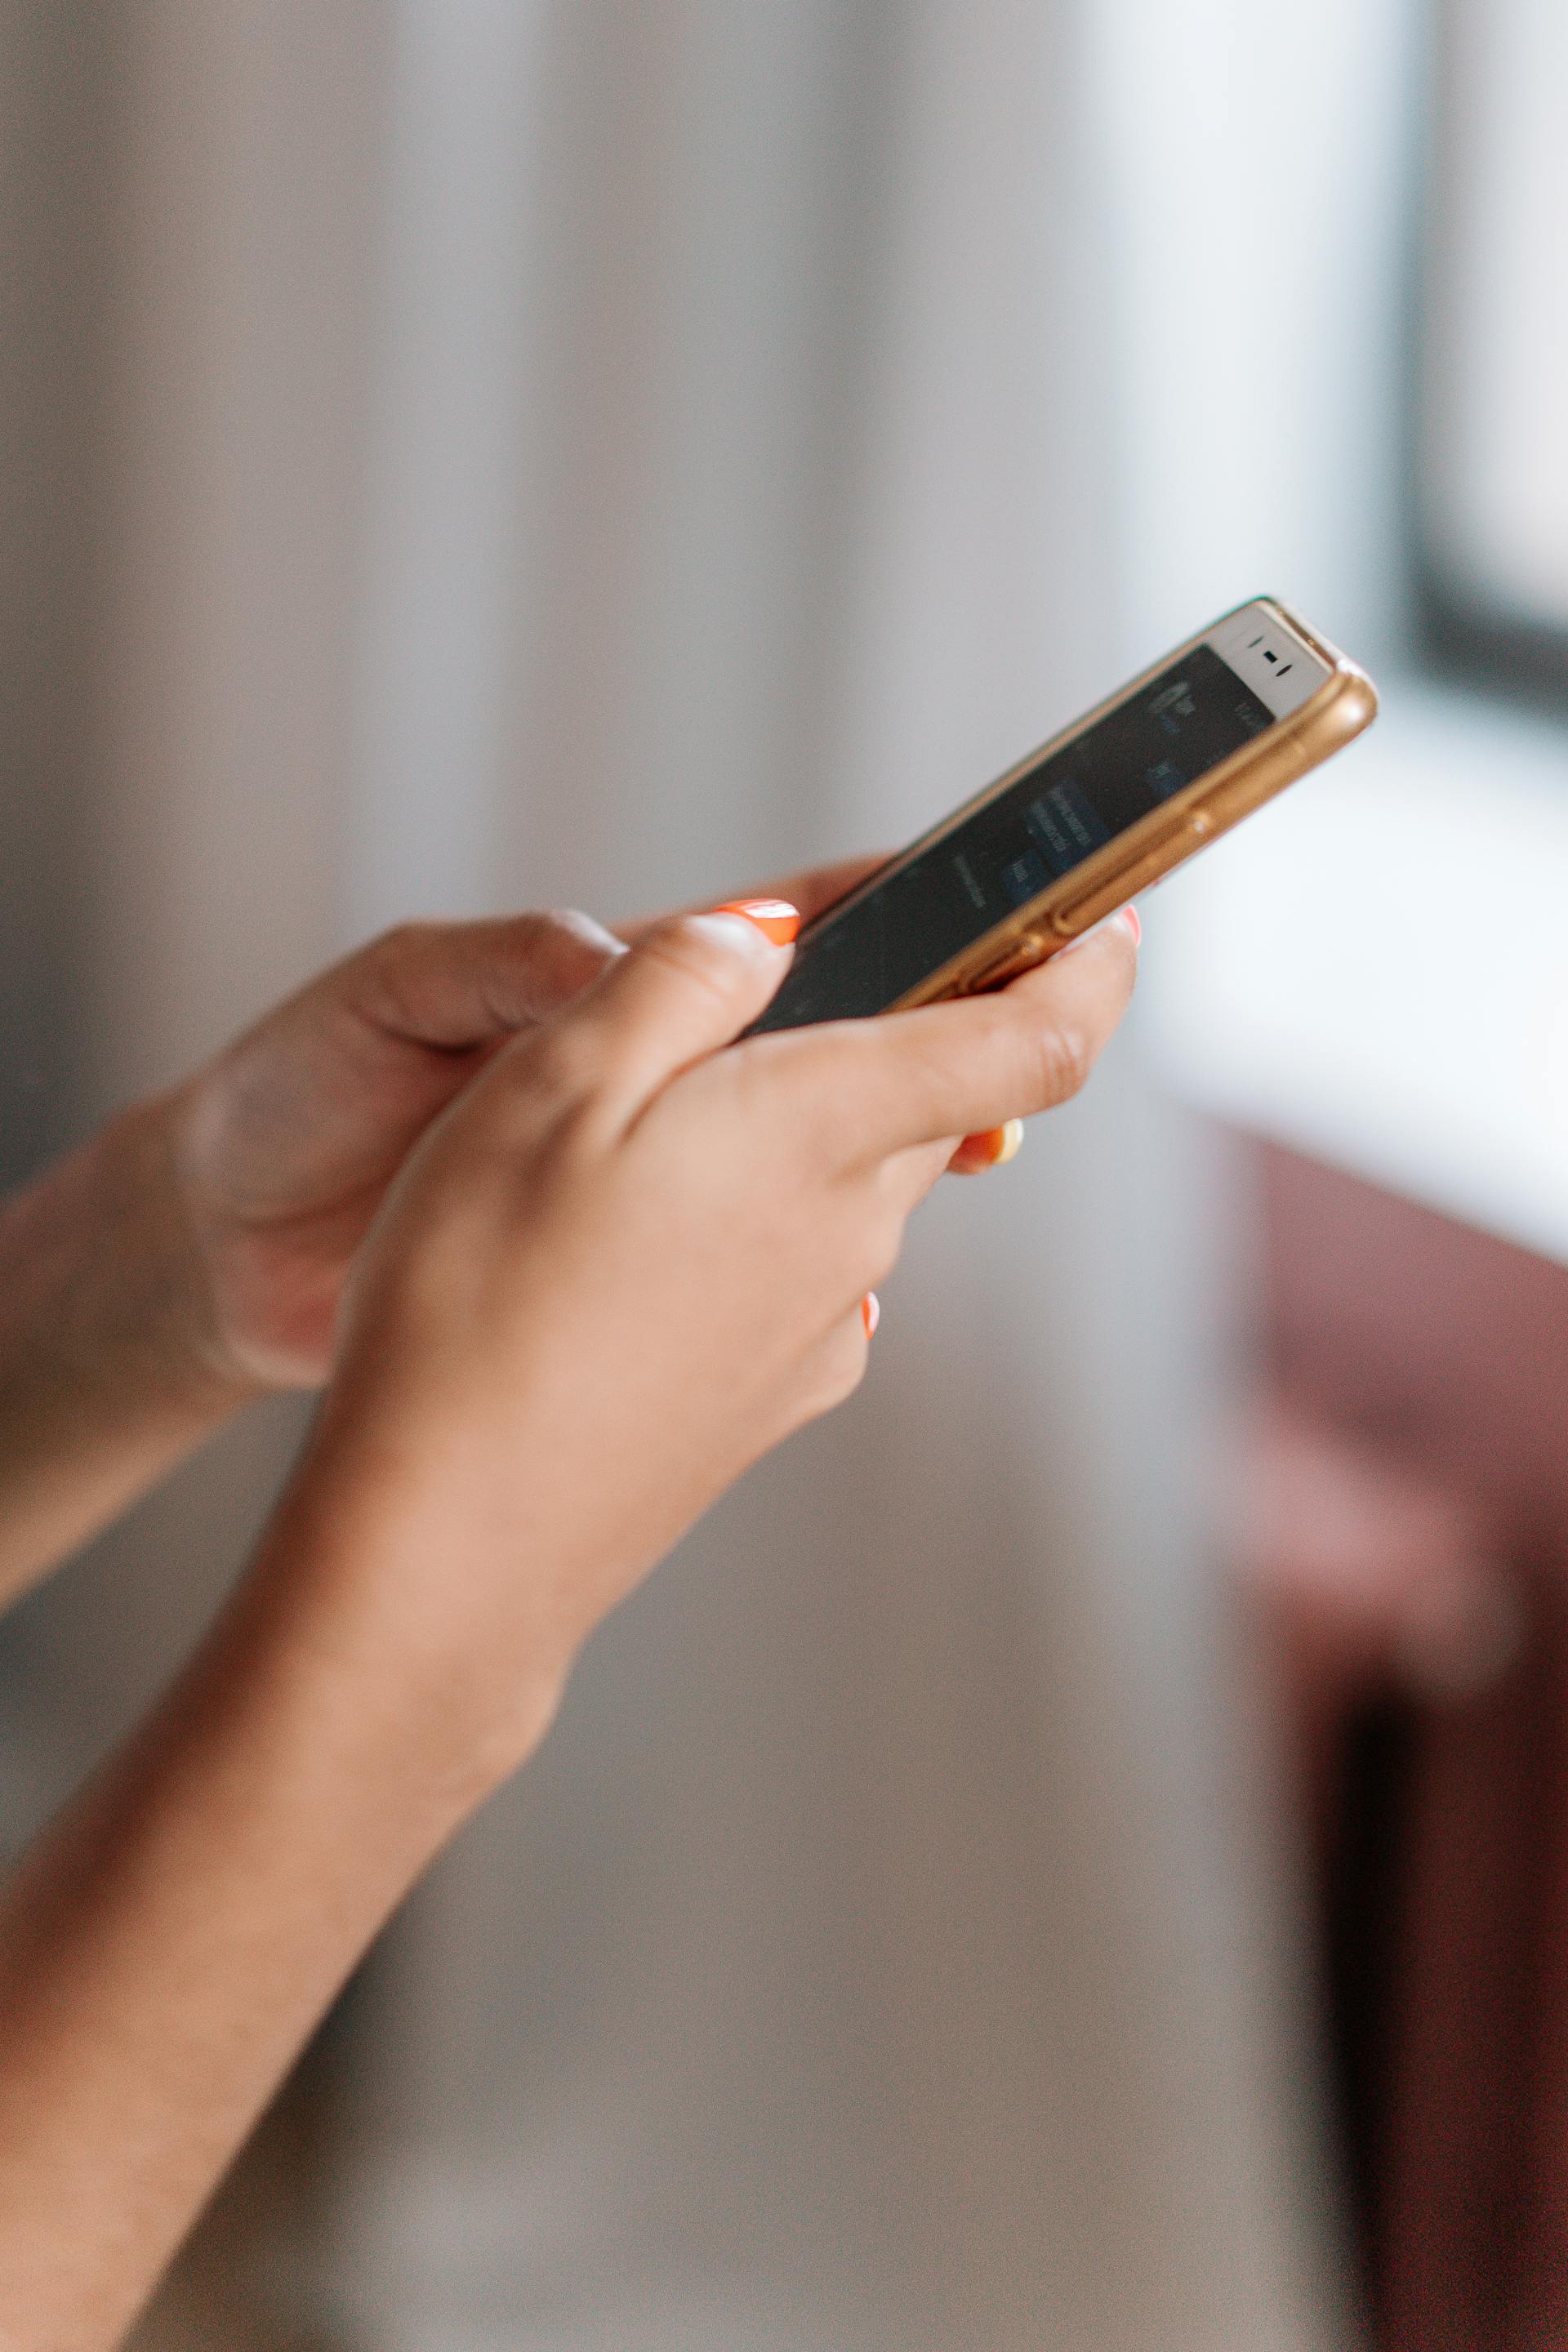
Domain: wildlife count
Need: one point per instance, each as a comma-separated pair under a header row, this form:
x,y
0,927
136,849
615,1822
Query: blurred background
x,y
1075,1852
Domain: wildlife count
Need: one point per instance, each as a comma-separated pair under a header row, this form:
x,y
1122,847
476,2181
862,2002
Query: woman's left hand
x,y
282,1148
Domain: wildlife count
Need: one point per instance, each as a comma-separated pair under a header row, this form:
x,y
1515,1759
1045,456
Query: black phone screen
x,y
862,956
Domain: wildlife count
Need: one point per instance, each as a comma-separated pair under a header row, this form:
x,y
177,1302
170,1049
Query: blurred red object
x,y
1403,1537
1372,1577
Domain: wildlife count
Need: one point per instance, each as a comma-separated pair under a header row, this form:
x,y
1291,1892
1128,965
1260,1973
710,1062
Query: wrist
x,y
439,1639
107,1375
108,1286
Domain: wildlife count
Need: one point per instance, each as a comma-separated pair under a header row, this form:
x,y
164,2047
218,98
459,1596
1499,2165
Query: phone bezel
x,y
1314,716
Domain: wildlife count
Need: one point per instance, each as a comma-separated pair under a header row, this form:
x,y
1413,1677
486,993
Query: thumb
x,y
688,987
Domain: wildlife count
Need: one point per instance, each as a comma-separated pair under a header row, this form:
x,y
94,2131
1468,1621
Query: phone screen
x,y
862,957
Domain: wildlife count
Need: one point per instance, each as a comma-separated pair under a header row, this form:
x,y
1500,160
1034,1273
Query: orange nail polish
x,y
870,1313
775,917
992,1146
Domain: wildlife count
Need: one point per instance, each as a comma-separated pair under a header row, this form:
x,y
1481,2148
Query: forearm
x,y
104,1384
167,1949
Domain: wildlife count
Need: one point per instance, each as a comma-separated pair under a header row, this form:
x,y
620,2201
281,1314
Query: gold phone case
x,y
1342,707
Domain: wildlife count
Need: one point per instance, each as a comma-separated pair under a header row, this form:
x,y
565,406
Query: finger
x,y
957,1068
834,1369
811,891
689,986
456,986
993,1149
906,1178
775,916
816,888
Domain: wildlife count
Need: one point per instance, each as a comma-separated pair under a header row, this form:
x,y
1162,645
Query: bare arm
x,y
192,1256
166,1948
104,1384
623,1267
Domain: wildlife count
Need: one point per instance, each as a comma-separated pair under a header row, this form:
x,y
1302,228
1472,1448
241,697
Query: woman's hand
x,y
194,1253
619,1265
622,1267
283,1147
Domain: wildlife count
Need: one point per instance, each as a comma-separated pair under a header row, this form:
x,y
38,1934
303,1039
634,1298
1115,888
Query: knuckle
x,y
560,1063
389,976
1055,1059
535,932
1066,1060
542,931
557,952
402,941
689,946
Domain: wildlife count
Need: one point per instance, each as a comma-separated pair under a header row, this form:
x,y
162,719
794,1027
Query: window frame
x,y
1461,635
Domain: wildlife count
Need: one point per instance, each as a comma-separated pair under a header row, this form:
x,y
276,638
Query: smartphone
x,y
1079,827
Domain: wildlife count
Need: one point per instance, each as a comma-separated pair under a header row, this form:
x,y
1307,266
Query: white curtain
x,y
599,453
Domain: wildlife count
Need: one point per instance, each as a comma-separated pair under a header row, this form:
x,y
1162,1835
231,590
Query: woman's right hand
x,y
616,1267
623,1265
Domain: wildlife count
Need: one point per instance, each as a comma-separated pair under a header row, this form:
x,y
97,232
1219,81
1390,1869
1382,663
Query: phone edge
x,y
1341,709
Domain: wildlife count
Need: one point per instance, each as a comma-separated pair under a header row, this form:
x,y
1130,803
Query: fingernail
x,y
1130,917
775,917
992,1146
870,1313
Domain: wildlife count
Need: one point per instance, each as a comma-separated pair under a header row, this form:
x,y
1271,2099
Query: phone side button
x,y
1025,953
1081,914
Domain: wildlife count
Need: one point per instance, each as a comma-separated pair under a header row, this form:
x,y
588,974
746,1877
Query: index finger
x,y
950,1069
